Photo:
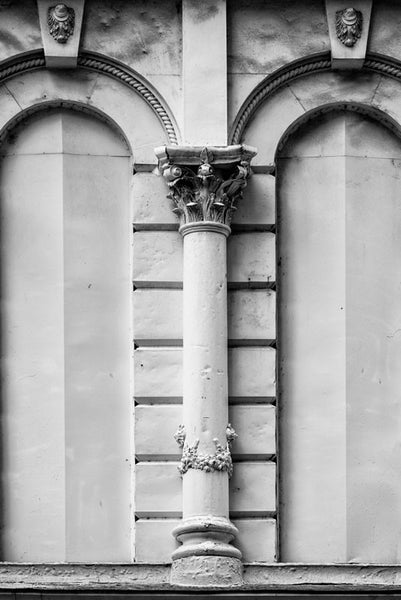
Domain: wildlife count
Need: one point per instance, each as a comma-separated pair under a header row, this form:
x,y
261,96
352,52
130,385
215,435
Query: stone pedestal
x,y
205,184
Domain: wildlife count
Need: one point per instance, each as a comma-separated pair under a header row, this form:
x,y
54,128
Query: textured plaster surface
x,y
19,27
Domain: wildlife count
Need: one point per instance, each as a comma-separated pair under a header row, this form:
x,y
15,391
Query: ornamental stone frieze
x,y
205,184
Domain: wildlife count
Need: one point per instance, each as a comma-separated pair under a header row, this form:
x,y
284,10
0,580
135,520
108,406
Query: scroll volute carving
x,y
208,190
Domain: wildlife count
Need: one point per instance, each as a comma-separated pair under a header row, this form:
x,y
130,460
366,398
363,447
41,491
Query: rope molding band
x,y
377,64
101,65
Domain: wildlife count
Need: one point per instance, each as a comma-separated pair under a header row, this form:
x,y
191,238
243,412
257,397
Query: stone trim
x,y
316,64
102,64
280,577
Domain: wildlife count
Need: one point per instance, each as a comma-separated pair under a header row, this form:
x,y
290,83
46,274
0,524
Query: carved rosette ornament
x,y
61,21
349,26
205,183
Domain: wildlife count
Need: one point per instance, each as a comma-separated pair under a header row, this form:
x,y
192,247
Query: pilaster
x,y
205,184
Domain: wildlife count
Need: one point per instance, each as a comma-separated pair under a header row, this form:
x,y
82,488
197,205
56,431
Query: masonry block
x,y
157,490
157,316
155,426
251,372
252,257
157,373
157,257
258,206
256,539
253,489
252,315
256,429
150,205
154,542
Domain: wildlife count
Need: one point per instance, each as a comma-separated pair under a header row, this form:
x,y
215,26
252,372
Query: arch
x,y
98,85
299,91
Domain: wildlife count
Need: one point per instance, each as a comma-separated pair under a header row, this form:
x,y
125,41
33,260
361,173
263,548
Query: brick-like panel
x,y
252,372
158,315
256,539
253,489
252,315
157,257
158,489
154,542
251,258
150,205
155,426
257,207
158,373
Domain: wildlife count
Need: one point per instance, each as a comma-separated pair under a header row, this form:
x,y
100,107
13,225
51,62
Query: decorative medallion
x,y
349,26
61,20
193,459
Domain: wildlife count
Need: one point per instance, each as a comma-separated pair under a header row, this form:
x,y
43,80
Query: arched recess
x,y
102,85
66,349
294,94
345,510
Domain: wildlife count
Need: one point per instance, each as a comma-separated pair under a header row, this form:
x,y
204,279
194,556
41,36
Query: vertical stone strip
x,y
205,184
204,64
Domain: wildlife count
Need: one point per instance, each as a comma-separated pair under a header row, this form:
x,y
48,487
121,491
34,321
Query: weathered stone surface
x,y
207,572
253,27
144,35
251,315
204,81
158,490
270,123
157,316
157,257
256,539
156,425
158,374
154,541
253,489
386,21
150,205
19,28
251,258
251,372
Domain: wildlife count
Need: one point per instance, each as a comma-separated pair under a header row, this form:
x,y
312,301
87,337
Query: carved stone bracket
x,y
193,459
61,26
205,183
348,32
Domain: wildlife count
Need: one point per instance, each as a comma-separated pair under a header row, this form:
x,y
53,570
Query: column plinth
x,y
205,185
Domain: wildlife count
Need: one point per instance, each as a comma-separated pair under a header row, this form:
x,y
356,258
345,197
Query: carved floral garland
x,y
193,459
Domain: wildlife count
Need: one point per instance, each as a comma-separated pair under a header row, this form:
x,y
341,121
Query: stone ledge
x,y
291,578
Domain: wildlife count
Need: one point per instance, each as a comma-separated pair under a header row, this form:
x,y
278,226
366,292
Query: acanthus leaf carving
x,y
191,458
205,193
349,26
61,22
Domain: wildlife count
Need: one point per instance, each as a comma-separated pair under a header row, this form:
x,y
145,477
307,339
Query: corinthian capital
x,y
205,183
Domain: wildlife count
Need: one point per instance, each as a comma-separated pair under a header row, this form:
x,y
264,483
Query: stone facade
x,y
183,409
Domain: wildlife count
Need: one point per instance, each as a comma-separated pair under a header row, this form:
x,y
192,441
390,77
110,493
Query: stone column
x,y
205,184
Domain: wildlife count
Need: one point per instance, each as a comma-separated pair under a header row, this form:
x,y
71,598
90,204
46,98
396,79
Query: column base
x,y
207,571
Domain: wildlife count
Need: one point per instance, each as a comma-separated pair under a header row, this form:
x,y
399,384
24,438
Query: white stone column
x,y
205,183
